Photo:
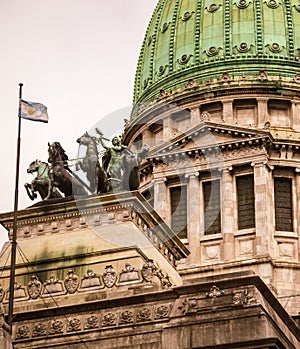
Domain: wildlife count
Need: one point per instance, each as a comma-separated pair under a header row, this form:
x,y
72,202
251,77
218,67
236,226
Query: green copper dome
x,y
197,41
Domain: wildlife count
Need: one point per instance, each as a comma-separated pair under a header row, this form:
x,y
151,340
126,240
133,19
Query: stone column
x,y
228,111
264,209
227,214
161,198
262,111
193,218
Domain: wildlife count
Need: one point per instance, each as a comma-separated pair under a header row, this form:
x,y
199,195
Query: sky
x,y
77,57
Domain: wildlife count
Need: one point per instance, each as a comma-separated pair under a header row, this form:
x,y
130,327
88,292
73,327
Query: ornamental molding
x,y
150,274
97,320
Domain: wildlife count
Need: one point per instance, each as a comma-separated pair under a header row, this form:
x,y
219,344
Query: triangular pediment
x,y
206,135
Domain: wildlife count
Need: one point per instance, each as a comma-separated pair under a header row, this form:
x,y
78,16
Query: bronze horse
x,y
130,168
60,174
41,183
90,165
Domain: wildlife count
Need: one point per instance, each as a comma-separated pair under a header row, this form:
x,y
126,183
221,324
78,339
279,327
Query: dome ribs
x,y
172,37
198,31
290,29
259,36
227,36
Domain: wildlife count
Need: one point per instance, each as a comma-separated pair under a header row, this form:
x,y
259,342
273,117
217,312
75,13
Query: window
x,y
212,215
178,196
283,204
245,201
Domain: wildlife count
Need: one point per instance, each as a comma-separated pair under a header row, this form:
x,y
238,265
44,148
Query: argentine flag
x,y
34,111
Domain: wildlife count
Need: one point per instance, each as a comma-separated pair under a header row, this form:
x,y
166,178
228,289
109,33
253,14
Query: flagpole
x,y
14,235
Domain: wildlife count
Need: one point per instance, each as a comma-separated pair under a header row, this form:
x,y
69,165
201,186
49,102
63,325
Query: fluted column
x,y
193,218
227,214
264,209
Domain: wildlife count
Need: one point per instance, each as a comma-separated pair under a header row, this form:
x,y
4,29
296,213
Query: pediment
x,y
208,134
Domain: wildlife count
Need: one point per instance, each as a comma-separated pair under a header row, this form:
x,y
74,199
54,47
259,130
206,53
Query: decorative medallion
x,y
128,274
91,322
240,298
73,325
90,280
2,293
56,327
71,282
272,3
243,4
39,330
109,276
214,292
22,332
187,15
109,319
161,312
143,315
297,78
275,47
262,76
165,27
184,59
243,47
126,317
148,270
213,7
34,287
53,285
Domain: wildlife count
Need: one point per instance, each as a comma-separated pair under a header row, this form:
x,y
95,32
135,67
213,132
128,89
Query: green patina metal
x,y
200,40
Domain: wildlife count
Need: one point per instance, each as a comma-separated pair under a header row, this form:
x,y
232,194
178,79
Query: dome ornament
x,y
161,70
275,47
297,7
184,59
187,15
262,76
225,77
272,3
243,4
243,47
212,8
165,27
191,84
297,78
212,51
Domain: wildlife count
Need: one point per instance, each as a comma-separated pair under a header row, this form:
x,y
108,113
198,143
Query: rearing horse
x,y
91,166
59,172
41,183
